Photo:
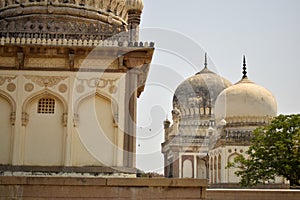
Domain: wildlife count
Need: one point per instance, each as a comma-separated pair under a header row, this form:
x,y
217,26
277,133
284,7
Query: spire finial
x,y
244,68
205,60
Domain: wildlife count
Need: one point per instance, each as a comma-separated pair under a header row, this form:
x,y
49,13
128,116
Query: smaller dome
x,y
245,99
135,5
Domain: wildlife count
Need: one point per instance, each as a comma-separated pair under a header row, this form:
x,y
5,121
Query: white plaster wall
x,y
95,132
44,137
47,141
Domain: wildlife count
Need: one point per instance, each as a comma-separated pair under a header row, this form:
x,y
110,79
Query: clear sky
x,y
266,31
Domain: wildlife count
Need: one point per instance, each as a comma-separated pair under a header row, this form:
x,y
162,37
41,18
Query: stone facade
x,y
70,74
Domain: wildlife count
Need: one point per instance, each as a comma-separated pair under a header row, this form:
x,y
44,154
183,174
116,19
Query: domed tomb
x,y
66,19
245,100
199,91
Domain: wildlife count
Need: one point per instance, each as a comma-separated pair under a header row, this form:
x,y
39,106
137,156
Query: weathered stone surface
x,y
252,194
100,188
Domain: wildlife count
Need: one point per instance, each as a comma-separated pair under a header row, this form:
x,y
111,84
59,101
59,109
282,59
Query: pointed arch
x,y
45,93
87,96
44,131
232,177
82,99
7,119
9,99
95,130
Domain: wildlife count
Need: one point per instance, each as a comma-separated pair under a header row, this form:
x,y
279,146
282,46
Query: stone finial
x,y
244,68
205,60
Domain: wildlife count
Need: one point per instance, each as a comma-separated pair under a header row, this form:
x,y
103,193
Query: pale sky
x,y
266,31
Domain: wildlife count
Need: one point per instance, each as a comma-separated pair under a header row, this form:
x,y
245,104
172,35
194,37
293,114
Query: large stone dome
x,y
245,101
199,91
76,19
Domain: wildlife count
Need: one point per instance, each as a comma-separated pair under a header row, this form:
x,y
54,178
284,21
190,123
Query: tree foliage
x,y
275,151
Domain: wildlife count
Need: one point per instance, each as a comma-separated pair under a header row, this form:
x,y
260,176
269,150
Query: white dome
x,y
245,99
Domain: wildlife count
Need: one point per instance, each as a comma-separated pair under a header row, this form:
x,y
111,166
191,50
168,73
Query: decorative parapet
x,y
248,120
45,40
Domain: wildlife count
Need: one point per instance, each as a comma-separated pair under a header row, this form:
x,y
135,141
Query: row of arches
x,y
42,136
197,111
218,173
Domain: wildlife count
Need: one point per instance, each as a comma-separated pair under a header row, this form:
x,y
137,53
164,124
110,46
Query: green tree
x,y
274,152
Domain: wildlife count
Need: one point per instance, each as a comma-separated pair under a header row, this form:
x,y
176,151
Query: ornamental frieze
x,y
97,83
46,81
6,78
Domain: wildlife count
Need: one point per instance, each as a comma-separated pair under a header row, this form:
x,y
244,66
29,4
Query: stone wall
x,y
252,194
28,188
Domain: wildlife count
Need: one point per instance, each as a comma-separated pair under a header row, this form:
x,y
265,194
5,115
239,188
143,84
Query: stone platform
x,y
28,188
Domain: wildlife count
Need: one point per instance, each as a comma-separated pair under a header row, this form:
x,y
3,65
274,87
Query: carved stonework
x,y
63,88
46,63
113,89
11,87
82,19
28,87
7,78
76,120
98,83
46,81
65,119
80,88
7,61
24,119
12,118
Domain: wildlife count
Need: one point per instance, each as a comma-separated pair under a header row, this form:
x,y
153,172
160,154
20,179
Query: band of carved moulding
x,y
98,63
249,119
46,81
7,61
72,42
97,83
59,63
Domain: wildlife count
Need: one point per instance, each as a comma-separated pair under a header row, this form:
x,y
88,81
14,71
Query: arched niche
x,y
187,171
232,177
7,119
44,125
95,138
201,169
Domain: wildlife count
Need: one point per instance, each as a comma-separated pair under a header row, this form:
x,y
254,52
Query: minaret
x,y
134,9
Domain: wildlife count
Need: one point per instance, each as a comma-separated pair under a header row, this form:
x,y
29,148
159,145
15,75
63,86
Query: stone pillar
x,y
130,118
